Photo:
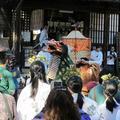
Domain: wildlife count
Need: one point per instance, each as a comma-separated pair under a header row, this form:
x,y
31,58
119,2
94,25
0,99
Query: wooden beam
x,y
19,5
79,5
17,30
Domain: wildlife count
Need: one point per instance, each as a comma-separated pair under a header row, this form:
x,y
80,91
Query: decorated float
x,y
79,46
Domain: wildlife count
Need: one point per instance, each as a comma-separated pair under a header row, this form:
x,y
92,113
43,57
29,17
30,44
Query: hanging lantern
x,y
37,19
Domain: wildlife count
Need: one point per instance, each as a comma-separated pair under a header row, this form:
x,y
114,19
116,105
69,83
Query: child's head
x,y
110,90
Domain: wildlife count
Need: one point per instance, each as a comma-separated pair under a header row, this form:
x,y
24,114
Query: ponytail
x,y
111,89
111,104
37,71
80,101
34,85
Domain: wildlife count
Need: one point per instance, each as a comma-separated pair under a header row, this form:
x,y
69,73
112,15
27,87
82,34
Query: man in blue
x,y
43,36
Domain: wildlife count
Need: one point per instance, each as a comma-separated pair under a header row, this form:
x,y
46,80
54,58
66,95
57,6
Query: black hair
x,y
80,101
37,71
80,64
111,89
98,47
75,84
84,58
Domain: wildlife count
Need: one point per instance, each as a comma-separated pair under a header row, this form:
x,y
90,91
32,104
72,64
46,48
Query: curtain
x,y
37,19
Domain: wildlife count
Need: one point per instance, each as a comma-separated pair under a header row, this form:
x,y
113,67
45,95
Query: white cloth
x,y
91,108
70,49
93,54
75,97
27,107
105,114
43,37
111,58
97,56
118,115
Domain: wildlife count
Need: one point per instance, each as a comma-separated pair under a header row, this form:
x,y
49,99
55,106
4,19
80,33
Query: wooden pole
x,y
3,13
86,24
7,22
106,37
18,32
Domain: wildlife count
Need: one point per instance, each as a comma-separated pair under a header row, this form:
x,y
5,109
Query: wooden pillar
x,y
106,37
86,24
119,24
17,35
18,32
118,50
5,13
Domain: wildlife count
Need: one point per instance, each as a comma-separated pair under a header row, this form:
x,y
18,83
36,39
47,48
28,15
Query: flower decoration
x,y
32,59
106,77
54,45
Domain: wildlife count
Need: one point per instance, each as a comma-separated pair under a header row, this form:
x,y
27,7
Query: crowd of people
x,y
65,99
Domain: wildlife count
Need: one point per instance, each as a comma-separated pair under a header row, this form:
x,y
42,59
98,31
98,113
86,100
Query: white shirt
x,y
97,57
91,108
110,58
105,114
93,54
27,107
43,37
118,115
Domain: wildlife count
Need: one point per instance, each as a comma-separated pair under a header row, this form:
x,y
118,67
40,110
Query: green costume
x,y
6,81
61,66
64,65
97,94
